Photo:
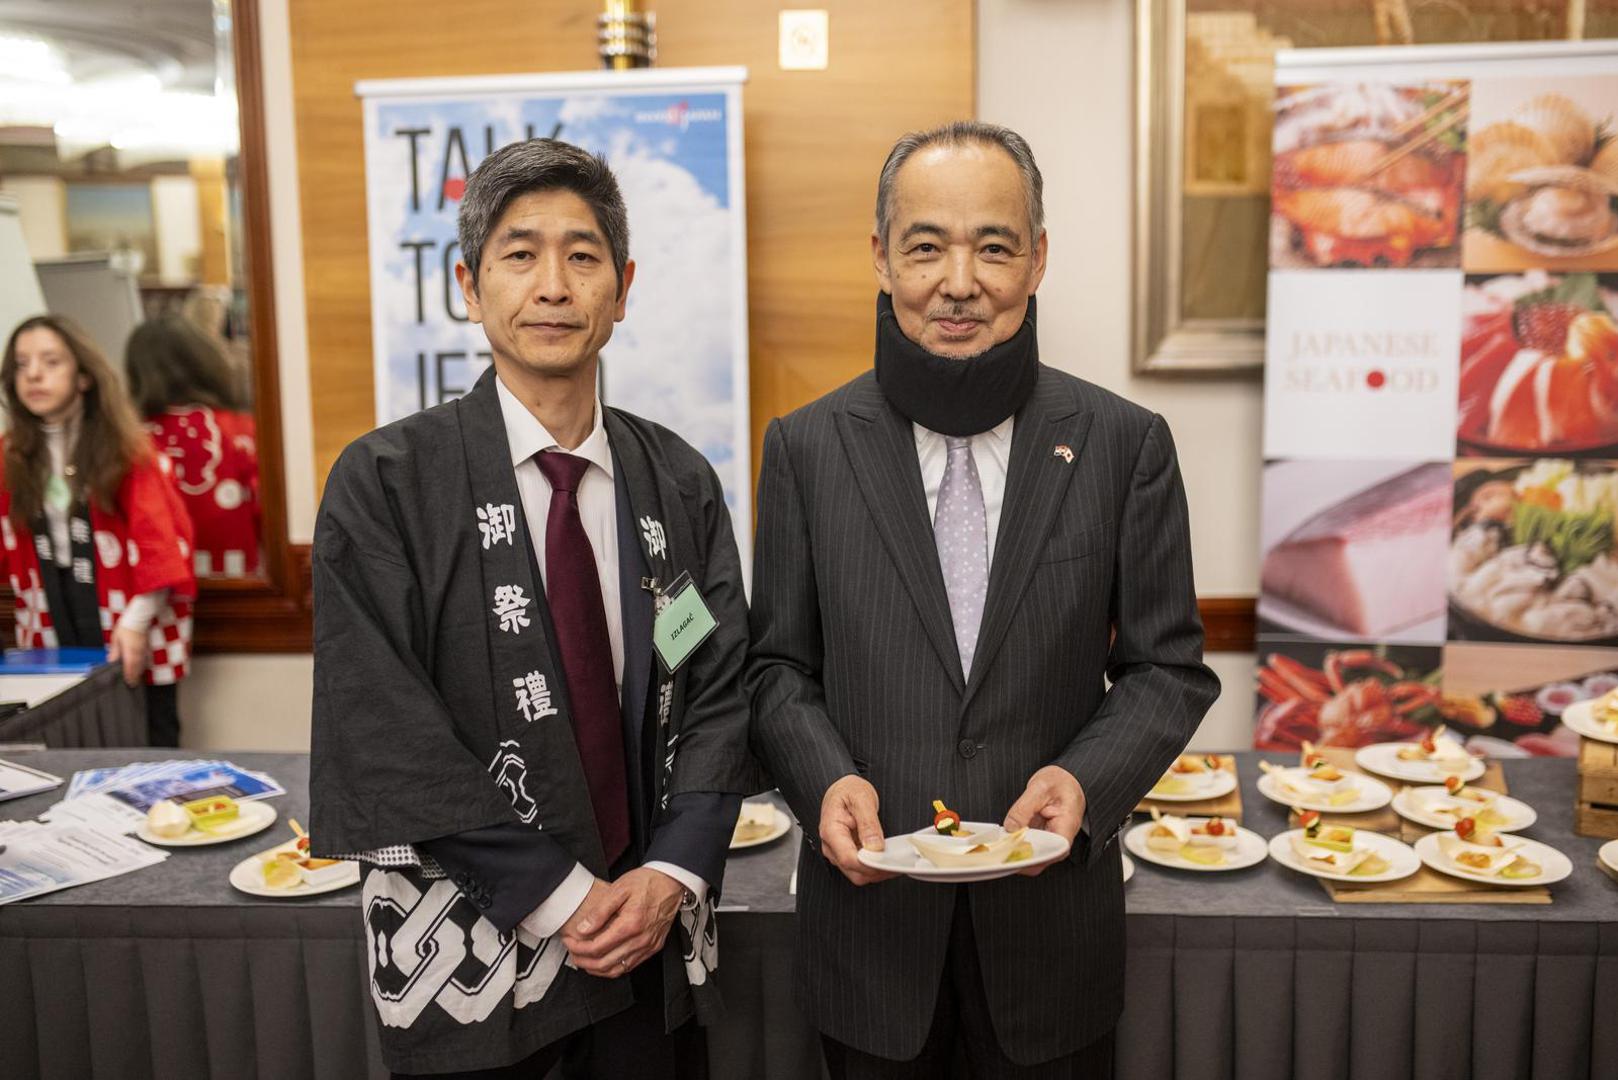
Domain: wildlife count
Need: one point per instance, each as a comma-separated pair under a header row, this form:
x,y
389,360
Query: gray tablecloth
x,y
100,711
169,972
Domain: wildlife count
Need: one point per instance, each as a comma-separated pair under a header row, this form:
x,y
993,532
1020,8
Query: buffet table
x,y
1251,974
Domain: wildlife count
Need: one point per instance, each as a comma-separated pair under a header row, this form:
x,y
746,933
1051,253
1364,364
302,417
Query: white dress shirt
x,y
991,451
598,511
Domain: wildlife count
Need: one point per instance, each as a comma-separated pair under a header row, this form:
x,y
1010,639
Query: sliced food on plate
x,y
1472,852
1193,776
1331,848
1440,807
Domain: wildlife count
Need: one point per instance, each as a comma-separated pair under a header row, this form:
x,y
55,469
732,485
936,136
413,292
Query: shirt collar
x,y
999,433
526,436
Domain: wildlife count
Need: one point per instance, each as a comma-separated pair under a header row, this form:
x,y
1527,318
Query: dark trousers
x,y
630,1044
962,1043
163,715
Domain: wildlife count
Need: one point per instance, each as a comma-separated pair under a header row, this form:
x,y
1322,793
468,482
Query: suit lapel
x,y
1037,478
881,446
635,604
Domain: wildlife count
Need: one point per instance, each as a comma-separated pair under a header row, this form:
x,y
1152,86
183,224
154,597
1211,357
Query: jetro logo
x,y
679,115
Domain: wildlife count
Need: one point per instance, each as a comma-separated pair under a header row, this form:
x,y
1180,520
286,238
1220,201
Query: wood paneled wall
x,y
814,144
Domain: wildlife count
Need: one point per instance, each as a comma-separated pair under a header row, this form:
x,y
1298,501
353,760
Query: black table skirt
x,y
100,711
170,973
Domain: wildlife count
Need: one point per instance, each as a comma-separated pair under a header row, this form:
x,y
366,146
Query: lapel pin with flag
x,y
1064,452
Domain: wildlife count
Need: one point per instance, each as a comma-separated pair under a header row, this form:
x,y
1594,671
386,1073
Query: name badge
x,y
682,621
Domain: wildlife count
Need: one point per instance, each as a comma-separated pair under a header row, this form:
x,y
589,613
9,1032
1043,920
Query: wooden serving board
x,y
1229,806
1427,886
1595,806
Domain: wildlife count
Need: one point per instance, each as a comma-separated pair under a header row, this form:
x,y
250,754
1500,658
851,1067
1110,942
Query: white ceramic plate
x,y
1373,795
782,826
1402,862
1519,815
1219,783
899,856
1554,866
1249,851
1581,717
1384,758
254,817
1608,854
248,878
1129,866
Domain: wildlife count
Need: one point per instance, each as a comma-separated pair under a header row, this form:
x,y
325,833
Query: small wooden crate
x,y
1595,807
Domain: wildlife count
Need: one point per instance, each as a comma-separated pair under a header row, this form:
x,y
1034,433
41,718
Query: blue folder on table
x,y
51,661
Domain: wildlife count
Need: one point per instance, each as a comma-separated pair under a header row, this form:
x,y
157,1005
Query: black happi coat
x,y
431,632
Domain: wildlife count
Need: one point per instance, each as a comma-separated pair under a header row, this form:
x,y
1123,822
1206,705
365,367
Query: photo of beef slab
x,y
1373,563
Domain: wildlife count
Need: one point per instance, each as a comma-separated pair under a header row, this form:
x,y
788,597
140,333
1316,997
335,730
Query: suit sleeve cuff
x,y
549,917
692,882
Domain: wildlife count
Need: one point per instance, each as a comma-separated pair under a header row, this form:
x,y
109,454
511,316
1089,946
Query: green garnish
x,y
1576,539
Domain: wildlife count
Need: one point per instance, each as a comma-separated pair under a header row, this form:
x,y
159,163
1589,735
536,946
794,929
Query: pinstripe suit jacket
x,y
854,668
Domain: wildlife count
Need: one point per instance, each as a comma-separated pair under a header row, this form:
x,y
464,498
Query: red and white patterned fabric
x,y
142,547
215,457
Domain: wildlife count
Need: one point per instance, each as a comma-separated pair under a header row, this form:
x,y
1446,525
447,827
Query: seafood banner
x,y
1439,534
674,139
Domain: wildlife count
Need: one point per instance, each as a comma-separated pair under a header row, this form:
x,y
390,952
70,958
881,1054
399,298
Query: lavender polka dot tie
x,y
961,530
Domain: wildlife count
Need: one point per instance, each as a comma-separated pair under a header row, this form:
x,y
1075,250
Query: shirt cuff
x,y
140,612
693,884
545,920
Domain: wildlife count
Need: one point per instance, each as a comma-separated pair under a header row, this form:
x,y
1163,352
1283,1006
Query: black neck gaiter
x,y
954,396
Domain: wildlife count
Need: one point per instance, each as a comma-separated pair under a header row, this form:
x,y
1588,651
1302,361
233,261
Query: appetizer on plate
x,y
756,821
1437,748
1480,851
291,865
1316,780
1461,800
1204,840
171,820
1189,774
951,851
1334,849
1605,711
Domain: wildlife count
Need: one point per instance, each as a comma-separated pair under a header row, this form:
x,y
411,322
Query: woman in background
x,y
184,388
93,535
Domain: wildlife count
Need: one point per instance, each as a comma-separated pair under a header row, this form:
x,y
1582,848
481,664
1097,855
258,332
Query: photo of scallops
x,y
1542,175
1539,365
1532,552
1368,175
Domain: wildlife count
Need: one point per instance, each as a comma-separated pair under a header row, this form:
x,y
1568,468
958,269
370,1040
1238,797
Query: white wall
x,y
42,206
1061,74
179,228
262,702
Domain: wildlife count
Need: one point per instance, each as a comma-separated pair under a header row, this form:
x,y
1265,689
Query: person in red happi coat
x,y
93,536
184,389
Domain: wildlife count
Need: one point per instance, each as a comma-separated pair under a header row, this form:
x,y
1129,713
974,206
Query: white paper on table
x,y
39,859
19,780
98,811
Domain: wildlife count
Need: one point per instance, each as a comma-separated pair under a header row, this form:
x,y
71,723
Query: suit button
x,y
484,901
462,879
968,748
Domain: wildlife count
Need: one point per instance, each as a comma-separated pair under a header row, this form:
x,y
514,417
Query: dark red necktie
x,y
573,590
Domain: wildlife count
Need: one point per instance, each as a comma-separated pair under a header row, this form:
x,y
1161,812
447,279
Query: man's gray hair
x,y
960,133
540,165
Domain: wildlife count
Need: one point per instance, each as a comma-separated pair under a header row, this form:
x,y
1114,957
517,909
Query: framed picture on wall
x,y
1204,94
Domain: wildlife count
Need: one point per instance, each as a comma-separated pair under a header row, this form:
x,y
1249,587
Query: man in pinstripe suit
x,y
957,553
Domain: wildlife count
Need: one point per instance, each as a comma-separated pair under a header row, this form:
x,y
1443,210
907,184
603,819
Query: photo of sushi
x,y
1368,175
1539,365
1533,553
1542,175
1508,700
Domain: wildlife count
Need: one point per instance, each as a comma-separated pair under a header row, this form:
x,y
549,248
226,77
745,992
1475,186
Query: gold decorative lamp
x,y
626,37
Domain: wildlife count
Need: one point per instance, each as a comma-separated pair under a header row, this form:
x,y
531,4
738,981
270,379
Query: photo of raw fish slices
x,y
1371,564
1368,175
1539,365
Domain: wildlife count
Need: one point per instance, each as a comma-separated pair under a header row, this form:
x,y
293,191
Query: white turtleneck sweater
x,y
59,438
